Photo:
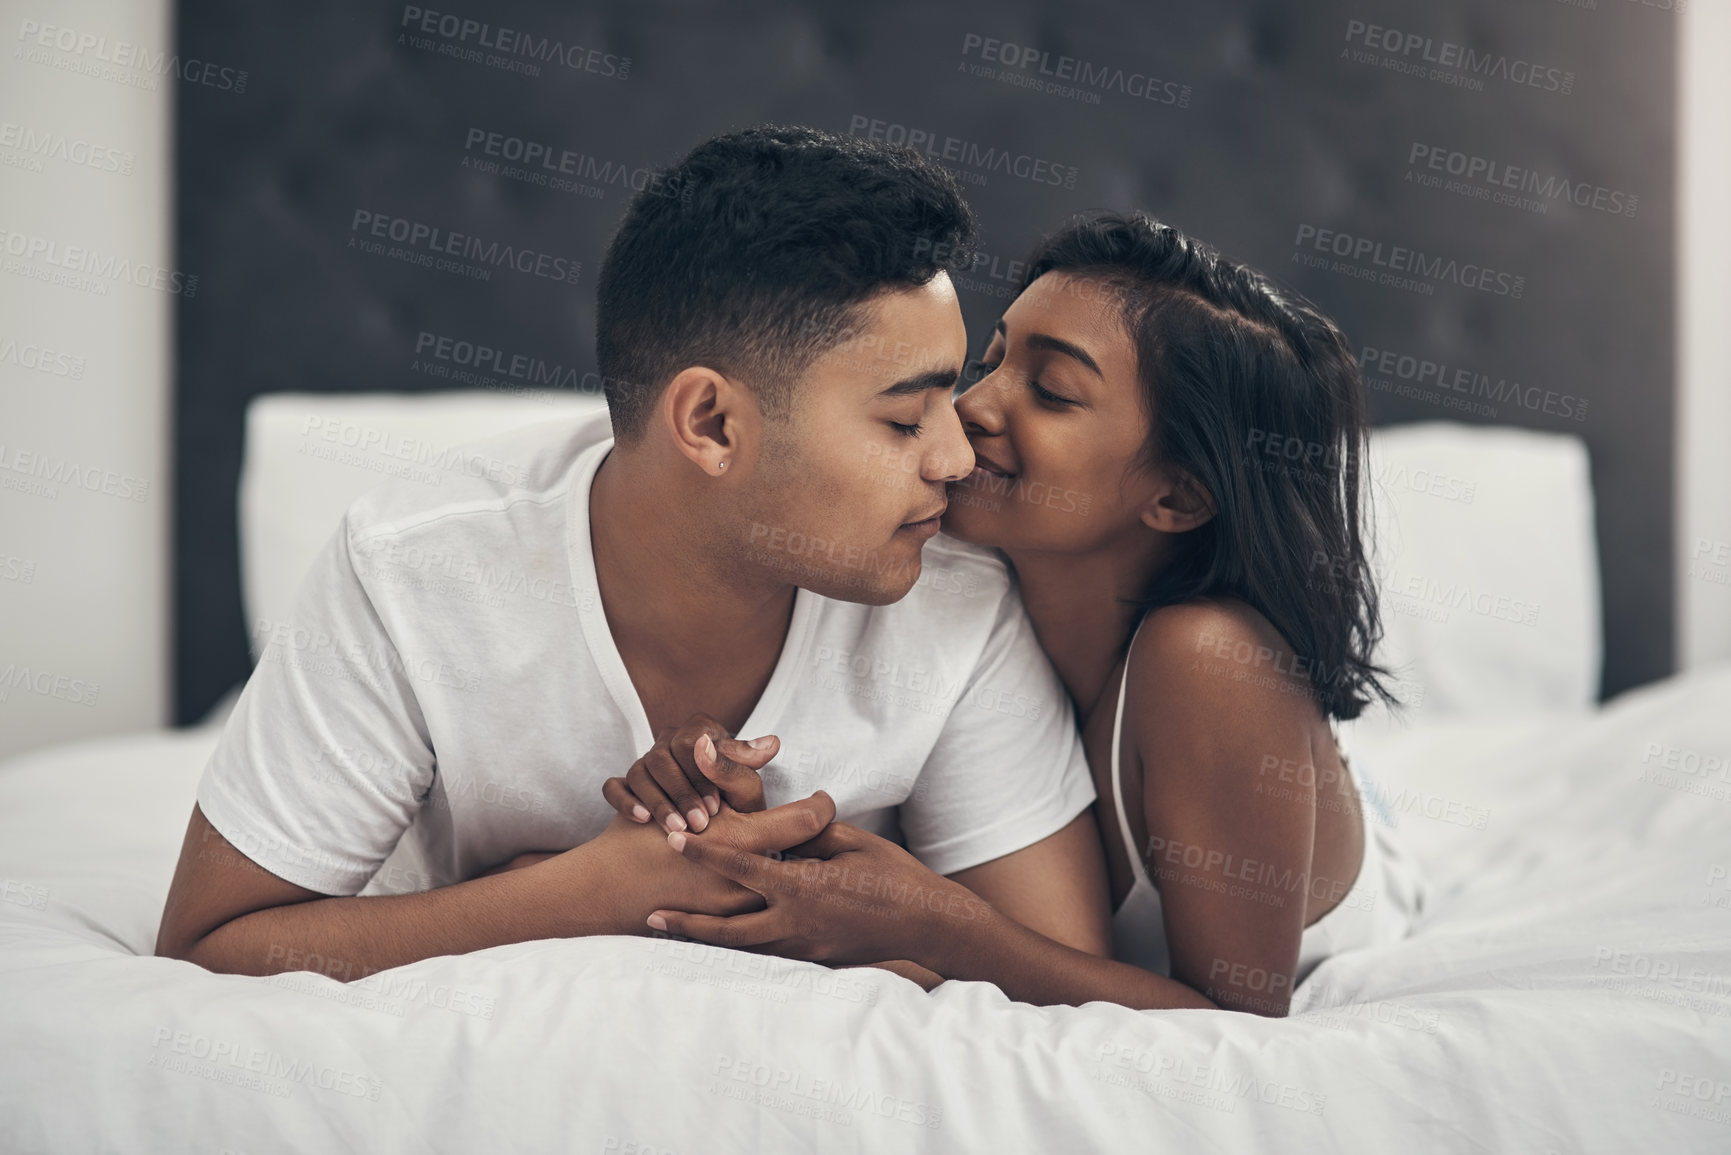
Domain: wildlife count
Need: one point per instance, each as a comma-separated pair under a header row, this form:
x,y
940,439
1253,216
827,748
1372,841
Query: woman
x,y
1168,455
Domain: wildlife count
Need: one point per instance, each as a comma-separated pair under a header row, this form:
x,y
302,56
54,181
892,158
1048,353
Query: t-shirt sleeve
x,y
325,758
1008,769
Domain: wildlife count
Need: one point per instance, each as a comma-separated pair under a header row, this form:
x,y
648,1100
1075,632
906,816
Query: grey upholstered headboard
x,y
1481,193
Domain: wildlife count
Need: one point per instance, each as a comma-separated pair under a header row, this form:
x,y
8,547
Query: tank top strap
x,y
1131,851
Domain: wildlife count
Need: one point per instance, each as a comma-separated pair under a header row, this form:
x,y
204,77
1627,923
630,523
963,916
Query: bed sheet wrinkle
x,y
1569,989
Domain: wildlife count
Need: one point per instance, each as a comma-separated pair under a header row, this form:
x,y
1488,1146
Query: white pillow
x,y
309,456
1484,536
1488,568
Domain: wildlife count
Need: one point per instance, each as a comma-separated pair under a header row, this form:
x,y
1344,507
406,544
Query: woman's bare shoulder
x,y
1218,673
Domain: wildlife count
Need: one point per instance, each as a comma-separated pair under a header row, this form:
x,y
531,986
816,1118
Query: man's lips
x,y
933,516
987,465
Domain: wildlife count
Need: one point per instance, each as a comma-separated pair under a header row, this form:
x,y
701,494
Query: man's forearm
x,y
348,938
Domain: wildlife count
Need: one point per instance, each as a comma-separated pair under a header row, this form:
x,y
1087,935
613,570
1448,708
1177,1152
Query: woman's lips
x,y
987,465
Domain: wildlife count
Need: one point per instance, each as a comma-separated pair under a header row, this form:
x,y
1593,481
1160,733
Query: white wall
x,y
83,572
84,575
1704,338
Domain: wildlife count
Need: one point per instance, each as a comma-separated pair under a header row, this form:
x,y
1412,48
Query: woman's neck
x,y
1083,607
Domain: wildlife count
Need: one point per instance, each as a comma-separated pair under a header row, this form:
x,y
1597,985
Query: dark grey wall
x,y
1250,124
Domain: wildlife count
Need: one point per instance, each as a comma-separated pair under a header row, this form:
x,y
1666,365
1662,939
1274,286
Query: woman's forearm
x,y
1031,968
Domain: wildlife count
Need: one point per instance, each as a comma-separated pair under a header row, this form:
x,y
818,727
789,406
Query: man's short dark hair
x,y
757,251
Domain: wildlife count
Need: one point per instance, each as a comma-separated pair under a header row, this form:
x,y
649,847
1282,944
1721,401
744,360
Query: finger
x,y
639,782
834,839
755,754
697,727
740,932
783,827
739,780
752,871
619,796
676,783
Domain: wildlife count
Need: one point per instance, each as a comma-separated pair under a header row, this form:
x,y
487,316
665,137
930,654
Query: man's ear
x,y
1179,504
711,417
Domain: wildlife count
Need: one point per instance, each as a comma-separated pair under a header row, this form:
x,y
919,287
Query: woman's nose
x,y
980,408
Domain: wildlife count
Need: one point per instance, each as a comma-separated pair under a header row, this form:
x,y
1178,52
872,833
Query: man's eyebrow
x,y
912,386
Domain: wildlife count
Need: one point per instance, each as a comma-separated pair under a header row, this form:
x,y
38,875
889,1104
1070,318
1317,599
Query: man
x,y
749,540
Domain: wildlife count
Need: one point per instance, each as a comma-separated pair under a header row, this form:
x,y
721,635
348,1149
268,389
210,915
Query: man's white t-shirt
x,y
447,695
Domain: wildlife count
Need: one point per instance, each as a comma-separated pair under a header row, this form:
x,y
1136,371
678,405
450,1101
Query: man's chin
x,y
870,585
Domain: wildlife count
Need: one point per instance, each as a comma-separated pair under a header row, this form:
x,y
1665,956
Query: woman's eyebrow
x,y
1055,345
1059,345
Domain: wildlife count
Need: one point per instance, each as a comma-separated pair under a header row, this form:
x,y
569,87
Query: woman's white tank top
x,y
1381,906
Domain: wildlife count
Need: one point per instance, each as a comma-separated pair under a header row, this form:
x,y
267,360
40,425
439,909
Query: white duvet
x,y
1569,990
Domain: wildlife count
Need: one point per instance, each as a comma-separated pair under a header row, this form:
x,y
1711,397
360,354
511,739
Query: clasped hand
x,y
831,892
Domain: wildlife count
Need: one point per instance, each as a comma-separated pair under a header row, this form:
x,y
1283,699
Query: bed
x,y
1568,988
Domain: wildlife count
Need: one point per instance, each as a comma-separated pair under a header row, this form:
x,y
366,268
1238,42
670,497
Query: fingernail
x,y
706,747
713,803
656,922
639,813
762,743
677,841
674,822
698,818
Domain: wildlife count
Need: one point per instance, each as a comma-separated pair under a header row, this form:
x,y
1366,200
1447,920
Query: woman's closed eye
x,y
1048,397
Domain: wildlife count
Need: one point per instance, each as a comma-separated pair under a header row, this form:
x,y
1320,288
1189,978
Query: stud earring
x,y
720,466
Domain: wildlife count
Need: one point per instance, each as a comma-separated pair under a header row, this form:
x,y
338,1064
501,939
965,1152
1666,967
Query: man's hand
x,y
852,897
683,779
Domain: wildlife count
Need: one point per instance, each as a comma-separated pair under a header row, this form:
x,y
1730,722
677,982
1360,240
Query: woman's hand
x,y
850,897
682,780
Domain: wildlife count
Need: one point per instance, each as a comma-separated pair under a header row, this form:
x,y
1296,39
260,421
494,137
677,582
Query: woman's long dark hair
x,y
1255,394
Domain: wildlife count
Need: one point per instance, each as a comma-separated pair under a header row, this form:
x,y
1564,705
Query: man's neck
x,y
693,634
1083,606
